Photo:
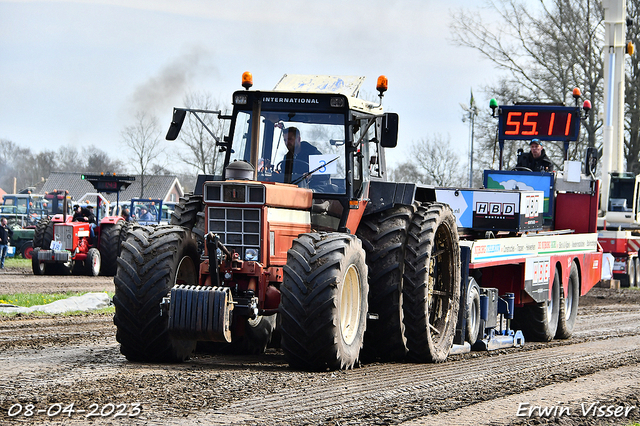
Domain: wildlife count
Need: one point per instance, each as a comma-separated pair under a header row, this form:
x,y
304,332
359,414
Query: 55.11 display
x,y
548,122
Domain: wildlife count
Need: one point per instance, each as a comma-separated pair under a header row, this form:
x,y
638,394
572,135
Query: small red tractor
x,y
305,236
62,246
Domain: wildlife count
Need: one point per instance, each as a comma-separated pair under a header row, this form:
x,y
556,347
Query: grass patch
x,y
32,299
17,262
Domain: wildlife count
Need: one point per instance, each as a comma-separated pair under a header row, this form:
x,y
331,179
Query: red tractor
x,y
62,246
301,237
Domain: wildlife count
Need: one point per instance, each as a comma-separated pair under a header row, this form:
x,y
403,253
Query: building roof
x,y
157,186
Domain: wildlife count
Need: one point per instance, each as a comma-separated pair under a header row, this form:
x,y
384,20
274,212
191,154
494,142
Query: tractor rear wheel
x,y
47,236
39,232
568,309
539,321
383,237
93,262
324,301
153,260
189,212
110,247
431,290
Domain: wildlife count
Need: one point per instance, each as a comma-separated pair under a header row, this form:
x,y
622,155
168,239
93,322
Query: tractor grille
x,y
64,234
238,228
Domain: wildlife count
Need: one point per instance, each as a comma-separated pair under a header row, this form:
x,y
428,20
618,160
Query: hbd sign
x,y
495,209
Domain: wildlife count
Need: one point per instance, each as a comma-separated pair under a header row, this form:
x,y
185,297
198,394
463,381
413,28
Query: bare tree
x,y
99,161
432,162
202,152
143,139
546,51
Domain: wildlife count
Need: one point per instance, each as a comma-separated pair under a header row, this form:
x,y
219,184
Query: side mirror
x,y
176,123
389,137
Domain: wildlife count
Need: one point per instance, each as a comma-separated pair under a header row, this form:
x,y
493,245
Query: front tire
x,y
431,283
324,301
93,262
153,260
257,334
37,266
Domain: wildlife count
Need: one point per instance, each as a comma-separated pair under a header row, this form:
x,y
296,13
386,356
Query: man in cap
x,y
536,159
297,158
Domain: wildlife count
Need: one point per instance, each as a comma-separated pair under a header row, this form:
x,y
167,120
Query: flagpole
x,y
472,119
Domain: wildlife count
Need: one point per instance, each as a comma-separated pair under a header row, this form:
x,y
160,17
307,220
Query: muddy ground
x,y
49,363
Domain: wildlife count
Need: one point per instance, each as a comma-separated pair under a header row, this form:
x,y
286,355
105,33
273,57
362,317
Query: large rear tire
x,y
383,237
568,307
431,292
539,321
189,212
110,247
39,232
324,301
47,236
153,260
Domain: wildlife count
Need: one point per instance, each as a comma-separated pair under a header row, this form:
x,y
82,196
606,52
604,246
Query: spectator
x,y
5,234
126,215
145,216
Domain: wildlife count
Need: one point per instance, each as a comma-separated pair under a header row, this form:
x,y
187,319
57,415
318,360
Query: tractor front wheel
x,y
37,266
93,262
324,301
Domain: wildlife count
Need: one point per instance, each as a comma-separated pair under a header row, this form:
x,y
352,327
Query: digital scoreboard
x,y
109,183
544,122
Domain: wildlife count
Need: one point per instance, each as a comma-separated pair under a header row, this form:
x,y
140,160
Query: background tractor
x,y
316,244
62,246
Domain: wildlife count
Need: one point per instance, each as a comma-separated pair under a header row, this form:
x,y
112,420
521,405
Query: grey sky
x,y
74,72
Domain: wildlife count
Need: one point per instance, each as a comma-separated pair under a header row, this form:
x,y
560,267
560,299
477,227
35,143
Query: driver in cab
x,y
296,161
536,159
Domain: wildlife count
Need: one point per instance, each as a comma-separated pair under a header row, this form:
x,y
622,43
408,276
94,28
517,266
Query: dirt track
x,y
62,360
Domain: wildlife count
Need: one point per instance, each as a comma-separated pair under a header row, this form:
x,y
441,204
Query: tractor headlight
x,y
251,254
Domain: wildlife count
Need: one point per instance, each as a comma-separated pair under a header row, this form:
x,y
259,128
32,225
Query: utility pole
x,y
472,111
615,12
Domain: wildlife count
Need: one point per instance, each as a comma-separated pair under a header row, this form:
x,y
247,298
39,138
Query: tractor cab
x,y
311,132
146,211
